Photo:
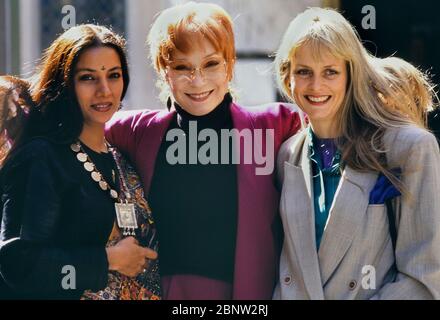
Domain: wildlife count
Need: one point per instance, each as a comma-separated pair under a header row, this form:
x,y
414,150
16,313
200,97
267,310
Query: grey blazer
x,y
356,258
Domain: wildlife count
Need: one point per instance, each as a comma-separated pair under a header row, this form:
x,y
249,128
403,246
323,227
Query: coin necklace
x,y
125,210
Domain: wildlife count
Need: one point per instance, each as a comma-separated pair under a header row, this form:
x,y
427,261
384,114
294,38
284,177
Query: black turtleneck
x,y
196,205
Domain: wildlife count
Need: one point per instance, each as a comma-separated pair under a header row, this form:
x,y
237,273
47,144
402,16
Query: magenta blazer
x,y
138,134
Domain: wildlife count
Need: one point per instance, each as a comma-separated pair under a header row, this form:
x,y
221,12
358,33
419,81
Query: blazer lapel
x,y
253,276
300,219
307,169
349,206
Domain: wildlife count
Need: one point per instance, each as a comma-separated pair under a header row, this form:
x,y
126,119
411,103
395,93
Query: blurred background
x,y
406,28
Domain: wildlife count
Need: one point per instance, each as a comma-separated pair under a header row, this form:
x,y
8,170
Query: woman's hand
x,y
128,258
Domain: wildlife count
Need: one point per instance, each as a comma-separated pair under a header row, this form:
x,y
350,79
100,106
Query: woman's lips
x,y
199,97
102,107
317,100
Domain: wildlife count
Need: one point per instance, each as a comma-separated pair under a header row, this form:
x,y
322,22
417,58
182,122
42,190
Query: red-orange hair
x,y
177,28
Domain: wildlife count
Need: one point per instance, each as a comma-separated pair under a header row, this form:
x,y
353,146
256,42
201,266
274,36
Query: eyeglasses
x,y
211,70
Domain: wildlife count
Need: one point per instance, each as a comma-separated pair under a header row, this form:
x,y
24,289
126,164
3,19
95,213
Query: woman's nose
x,y
104,88
315,83
197,77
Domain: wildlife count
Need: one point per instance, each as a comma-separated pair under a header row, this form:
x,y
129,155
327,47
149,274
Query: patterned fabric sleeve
x,y
146,286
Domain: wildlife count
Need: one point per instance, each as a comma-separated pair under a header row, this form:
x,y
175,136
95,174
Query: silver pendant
x,y
126,216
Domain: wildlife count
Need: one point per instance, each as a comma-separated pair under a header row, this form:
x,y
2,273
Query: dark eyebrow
x,y
115,68
84,70
93,70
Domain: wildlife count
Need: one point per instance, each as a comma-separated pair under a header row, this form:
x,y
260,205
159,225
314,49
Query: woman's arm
x,y
418,230
121,131
30,258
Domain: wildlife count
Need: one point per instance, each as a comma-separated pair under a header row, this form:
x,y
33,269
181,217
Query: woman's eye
x,y
212,64
115,75
331,72
303,72
86,77
181,67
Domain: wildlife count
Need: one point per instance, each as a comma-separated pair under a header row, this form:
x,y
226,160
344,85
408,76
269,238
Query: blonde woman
x,y
360,184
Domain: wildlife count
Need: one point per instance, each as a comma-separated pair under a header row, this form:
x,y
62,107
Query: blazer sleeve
x,y
418,225
291,121
31,261
122,131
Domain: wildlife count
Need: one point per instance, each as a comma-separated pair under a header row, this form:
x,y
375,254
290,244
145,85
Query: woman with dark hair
x,y
62,182
14,104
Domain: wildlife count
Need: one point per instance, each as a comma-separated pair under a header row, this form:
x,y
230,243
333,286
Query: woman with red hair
x,y
217,222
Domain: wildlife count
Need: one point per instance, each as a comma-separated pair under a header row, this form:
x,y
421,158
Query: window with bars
x,y
110,13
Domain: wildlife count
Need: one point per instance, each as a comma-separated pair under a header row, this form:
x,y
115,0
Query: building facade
x,y
31,25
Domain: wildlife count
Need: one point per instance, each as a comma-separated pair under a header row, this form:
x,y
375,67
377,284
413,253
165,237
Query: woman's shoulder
x,y
134,118
36,150
403,142
284,118
268,110
408,135
294,145
39,146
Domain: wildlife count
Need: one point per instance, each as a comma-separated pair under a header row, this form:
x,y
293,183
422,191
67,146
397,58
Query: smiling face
x,y
319,87
98,84
205,87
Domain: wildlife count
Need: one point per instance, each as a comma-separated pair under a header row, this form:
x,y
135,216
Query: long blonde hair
x,y
364,115
412,86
